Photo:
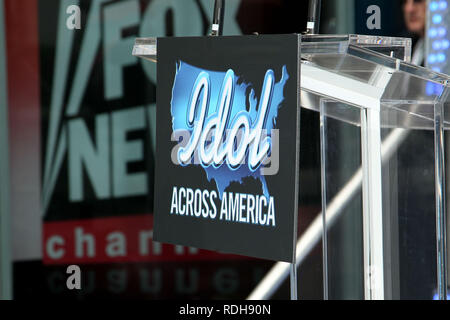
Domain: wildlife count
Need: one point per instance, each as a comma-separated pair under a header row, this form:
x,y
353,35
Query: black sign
x,y
228,144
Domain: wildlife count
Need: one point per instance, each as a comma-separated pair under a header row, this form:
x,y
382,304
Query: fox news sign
x,y
227,145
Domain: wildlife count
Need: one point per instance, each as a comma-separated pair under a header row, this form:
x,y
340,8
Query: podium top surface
x,y
361,71
312,44
324,50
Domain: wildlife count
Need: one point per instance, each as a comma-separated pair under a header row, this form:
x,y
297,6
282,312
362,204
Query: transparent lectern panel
x,y
342,209
311,100
414,180
399,48
408,115
406,110
146,48
409,213
412,103
350,66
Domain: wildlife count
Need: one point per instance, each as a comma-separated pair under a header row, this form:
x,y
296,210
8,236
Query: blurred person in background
x,y
415,15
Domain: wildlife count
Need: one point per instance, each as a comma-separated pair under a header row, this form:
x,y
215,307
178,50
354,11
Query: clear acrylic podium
x,y
382,130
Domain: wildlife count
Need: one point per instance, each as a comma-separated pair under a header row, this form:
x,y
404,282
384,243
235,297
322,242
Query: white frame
x,y
366,96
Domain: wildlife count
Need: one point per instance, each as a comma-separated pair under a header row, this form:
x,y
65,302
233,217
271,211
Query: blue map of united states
x,y
244,100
